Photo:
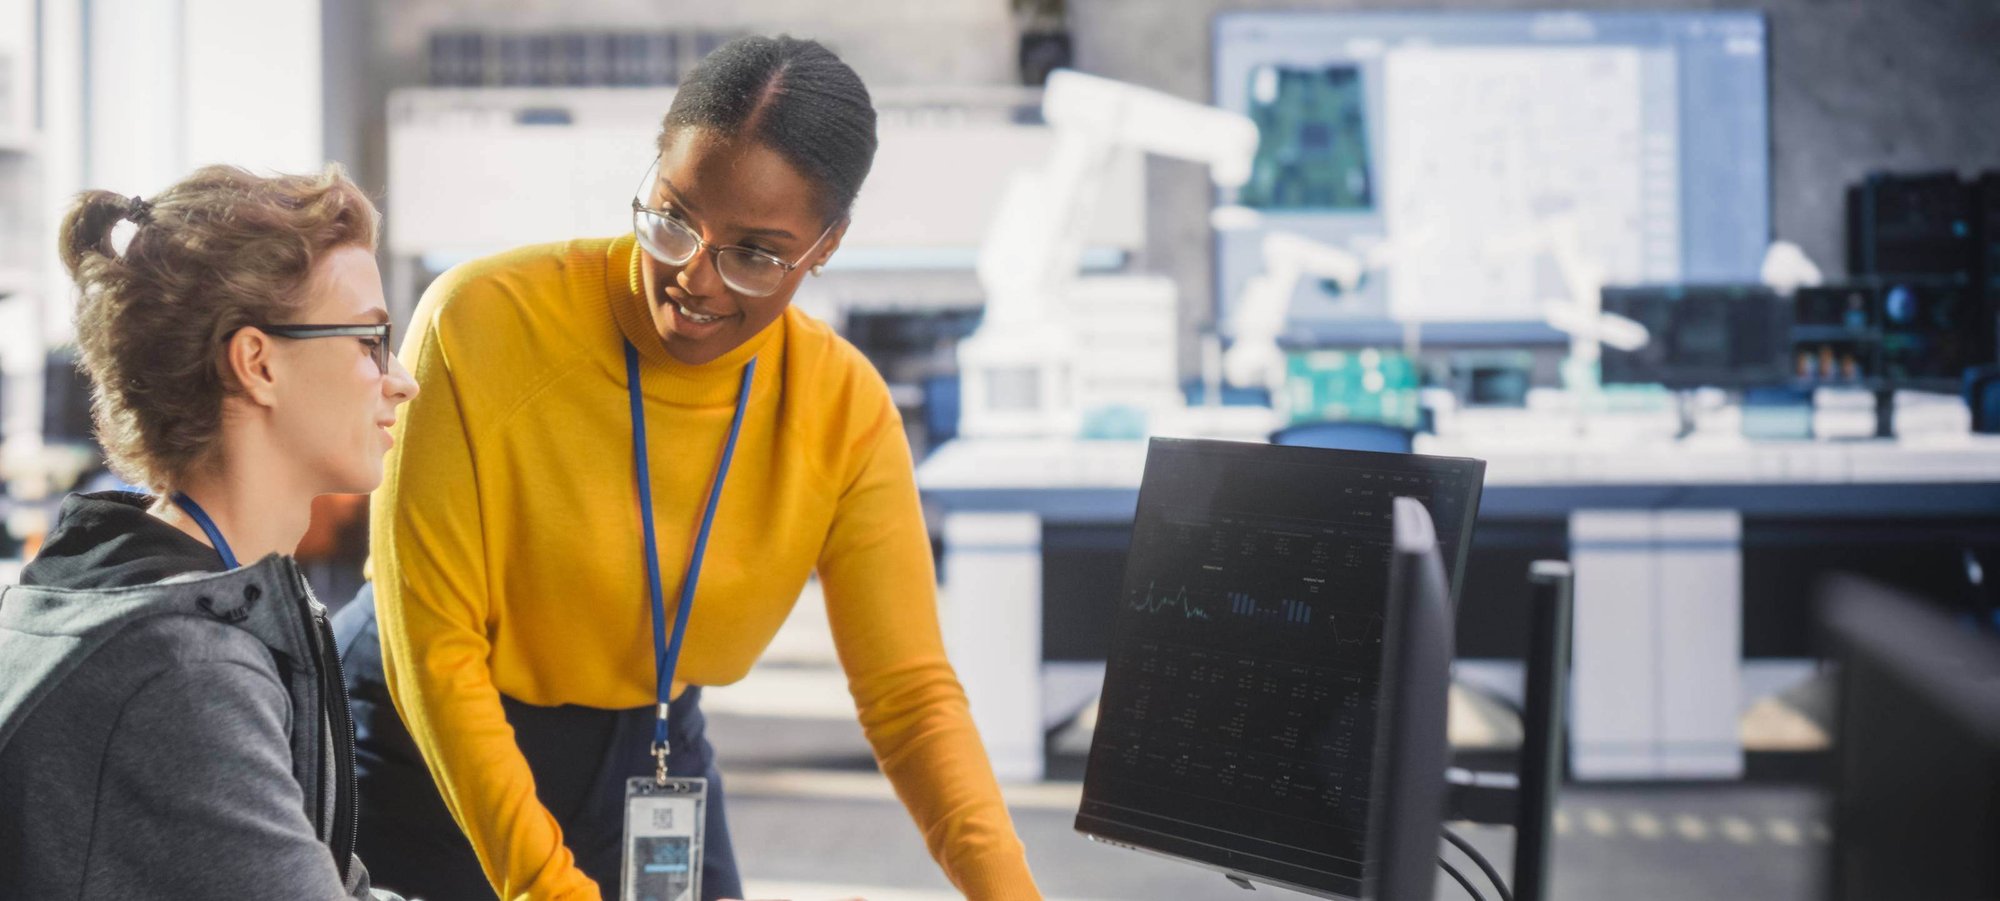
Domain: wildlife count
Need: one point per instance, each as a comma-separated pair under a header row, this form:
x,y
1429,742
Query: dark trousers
x,y
580,757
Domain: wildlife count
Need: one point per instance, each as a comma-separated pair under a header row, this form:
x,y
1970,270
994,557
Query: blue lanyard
x,y
667,654
207,527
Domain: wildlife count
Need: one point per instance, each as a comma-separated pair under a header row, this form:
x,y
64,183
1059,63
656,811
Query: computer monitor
x,y
66,400
1411,757
1916,810
1274,702
1720,336
1453,136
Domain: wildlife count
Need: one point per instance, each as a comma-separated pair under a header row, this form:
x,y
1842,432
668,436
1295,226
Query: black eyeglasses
x,y
373,337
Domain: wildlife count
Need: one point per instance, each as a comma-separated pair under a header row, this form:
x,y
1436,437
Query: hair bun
x,y
139,210
86,228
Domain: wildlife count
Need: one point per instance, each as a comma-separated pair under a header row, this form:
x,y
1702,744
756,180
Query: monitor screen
x,y
1703,335
1238,723
1456,140
66,400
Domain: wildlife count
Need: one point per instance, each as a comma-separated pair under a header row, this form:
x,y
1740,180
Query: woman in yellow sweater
x,y
517,582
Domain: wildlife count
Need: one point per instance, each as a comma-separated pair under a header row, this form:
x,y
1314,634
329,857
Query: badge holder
x,y
664,819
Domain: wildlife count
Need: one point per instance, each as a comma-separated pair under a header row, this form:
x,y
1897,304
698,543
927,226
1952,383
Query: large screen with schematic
x,y
1238,723
1457,143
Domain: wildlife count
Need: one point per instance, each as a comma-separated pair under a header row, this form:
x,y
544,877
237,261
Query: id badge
x,y
663,834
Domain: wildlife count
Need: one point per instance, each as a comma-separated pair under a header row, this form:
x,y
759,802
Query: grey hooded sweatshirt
x,y
168,730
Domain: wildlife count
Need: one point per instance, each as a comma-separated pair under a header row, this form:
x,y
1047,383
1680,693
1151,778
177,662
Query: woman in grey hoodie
x,y
173,724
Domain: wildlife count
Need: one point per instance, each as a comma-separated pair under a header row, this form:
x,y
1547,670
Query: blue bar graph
x,y
1286,610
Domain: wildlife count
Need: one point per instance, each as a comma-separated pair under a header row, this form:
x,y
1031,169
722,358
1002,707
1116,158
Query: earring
x,y
818,267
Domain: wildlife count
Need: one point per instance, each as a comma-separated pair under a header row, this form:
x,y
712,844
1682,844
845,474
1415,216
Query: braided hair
x,y
793,96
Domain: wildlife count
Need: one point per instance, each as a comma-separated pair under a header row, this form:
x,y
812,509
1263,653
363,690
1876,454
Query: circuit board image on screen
x,y
1314,151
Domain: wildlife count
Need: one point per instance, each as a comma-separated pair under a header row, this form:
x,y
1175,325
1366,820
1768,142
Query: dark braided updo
x,y
793,96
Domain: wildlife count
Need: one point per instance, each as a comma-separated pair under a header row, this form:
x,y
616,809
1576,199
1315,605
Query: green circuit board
x,y
1313,152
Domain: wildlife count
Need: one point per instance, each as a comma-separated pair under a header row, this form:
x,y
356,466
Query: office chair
x,y
1361,436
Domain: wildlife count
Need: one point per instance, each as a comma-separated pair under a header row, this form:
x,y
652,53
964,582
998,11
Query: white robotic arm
x,y
1116,113
1035,243
1021,370
1254,359
1580,314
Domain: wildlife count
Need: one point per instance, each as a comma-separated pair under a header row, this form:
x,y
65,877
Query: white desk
x,y
1654,530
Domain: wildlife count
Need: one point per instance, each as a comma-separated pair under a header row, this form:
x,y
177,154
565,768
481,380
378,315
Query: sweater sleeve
x,y
431,596
881,598
200,761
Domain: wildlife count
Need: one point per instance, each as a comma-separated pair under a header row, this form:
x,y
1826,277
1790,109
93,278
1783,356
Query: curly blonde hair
x,y
221,250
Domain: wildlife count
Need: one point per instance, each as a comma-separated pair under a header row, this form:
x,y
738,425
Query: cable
x,y
1480,859
1455,874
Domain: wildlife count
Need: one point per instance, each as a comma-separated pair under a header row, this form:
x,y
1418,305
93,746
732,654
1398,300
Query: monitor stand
x,y
1684,402
1885,412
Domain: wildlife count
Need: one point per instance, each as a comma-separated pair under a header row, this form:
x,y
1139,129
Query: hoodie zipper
x,y
340,722
344,756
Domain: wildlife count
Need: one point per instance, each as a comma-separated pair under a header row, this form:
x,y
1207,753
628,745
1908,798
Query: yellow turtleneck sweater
x,y
508,557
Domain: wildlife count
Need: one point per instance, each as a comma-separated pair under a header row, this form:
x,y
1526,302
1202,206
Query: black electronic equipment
x,y
565,57
1902,225
1931,243
1043,51
1933,329
1986,230
1920,332
1722,336
1916,811
1492,378
1274,702
1837,338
